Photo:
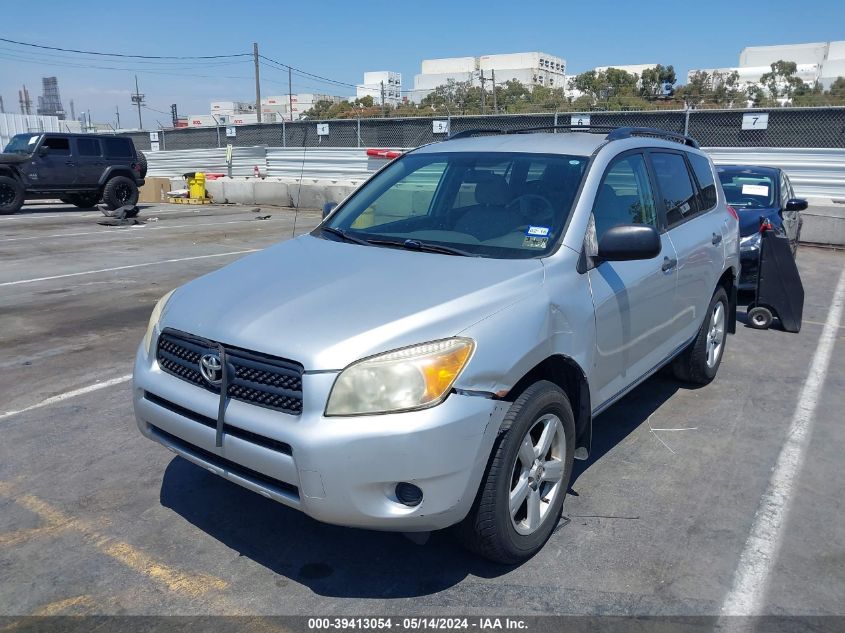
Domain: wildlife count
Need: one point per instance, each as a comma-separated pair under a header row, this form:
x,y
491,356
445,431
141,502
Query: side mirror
x,y
796,204
43,150
328,208
628,242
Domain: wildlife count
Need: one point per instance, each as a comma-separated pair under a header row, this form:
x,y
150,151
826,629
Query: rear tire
x,y
142,162
699,362
520,500
12,195
120,191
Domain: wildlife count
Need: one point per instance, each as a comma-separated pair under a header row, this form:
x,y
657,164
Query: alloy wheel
x,y
537,474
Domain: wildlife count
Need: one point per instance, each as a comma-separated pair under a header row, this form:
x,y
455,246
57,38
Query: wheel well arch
x,y
568,375
116,171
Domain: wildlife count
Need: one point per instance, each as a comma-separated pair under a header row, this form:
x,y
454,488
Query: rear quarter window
x,y
117,147
706,182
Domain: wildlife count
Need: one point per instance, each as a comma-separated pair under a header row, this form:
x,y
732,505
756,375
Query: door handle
x,y
70,163
717,239
668,264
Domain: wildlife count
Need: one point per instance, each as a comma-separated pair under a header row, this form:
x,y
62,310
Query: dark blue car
x,y
758,193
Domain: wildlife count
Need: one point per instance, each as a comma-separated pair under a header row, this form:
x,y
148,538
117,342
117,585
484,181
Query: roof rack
x,y
627,132
474,132
613,132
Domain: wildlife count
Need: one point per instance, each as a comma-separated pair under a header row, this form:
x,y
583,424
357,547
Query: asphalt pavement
x,y
95,519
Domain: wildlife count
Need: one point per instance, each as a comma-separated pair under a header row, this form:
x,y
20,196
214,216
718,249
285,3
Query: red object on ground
x,y
255,172
389,154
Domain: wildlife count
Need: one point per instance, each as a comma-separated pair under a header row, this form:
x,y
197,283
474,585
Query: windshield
x,y
748,190
502,205
22,144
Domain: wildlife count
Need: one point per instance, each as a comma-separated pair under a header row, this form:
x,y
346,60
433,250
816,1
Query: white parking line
x,y
127,267
69,394
130,231
759,555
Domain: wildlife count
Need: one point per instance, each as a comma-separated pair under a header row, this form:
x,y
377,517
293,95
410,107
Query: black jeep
x,y
78,169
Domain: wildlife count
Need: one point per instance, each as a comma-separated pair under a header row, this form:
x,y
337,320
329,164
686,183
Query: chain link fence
x,y
787,127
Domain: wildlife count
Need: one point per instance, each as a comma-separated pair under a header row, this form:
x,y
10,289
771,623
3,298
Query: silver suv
x,y
434,352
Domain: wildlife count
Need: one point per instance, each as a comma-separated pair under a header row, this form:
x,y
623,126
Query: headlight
x,y
154,318
750,241
402,380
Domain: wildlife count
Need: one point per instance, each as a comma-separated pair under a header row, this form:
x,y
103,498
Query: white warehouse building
x,y
816,61
376,81
531,69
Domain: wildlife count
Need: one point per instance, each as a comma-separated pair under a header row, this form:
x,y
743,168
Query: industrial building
x,y
531,69
819,62
381,82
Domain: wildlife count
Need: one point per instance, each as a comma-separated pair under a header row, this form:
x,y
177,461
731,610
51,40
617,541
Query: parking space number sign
x,y
755,121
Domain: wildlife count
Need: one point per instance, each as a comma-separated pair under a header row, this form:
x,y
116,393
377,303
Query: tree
x,y
658,81
612,88
781,82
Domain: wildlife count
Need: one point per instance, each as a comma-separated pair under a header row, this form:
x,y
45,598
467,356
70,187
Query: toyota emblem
x,y
211,368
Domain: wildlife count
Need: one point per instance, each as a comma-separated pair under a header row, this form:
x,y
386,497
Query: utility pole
x,y
72,111
382,100
495,106
290,94
117,114
257,83
174,114
2,108
483,78
138,100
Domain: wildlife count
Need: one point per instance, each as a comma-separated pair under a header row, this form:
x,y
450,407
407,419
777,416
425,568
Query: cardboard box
x,y
154,190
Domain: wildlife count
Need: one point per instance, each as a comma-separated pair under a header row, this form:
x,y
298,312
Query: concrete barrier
x,y
824,220
824,224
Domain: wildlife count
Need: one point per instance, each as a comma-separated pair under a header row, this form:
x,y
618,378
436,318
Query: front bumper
x,y
340,470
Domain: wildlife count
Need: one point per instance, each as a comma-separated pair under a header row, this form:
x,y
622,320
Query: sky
x,y
341,40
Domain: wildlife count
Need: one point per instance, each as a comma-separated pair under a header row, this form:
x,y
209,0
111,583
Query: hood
x,y
326,304
749,219
14,159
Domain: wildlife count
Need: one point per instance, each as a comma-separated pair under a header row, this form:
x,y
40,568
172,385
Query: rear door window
x,y
88,147
118,147
676,187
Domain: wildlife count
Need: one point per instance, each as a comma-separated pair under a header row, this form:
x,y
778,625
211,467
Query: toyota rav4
x,y
434,352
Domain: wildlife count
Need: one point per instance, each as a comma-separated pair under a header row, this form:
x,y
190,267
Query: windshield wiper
x,y
344,235
416,245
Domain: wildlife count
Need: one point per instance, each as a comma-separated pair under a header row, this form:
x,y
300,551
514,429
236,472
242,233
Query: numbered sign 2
x,y
755,121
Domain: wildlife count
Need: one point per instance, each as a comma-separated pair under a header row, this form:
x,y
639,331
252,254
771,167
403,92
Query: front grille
x,y
265,381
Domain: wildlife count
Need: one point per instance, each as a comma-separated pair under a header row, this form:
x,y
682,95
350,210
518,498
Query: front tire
x,y
521,498
12,195
699,362
120,191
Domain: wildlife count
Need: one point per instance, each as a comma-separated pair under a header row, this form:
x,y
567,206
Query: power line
x,y
73,50
307,74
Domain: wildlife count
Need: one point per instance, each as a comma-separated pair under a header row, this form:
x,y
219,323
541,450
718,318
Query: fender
x,y
118,170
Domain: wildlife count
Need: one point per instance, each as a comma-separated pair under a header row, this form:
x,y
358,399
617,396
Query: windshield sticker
x,y
534,242
541,231
32,140
755,190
